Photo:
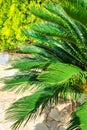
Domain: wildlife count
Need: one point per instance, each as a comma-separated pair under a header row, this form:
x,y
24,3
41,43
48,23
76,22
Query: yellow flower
x,y
12,10
6,31
0,1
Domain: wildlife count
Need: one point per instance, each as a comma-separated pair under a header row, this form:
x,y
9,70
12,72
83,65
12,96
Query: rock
x,y
64,116
62,128
62,119
41,126
54,114
4,57
48,119
52,125
41,118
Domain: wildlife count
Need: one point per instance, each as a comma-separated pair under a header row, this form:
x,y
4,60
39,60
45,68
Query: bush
x,y
14,16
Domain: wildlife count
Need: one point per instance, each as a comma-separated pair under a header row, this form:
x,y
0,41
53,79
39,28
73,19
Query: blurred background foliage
x,y
15,15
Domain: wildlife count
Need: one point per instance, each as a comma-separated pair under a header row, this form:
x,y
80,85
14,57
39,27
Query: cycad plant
x,y
57,67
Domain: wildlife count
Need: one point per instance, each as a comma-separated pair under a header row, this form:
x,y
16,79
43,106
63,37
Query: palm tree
x,y
58,66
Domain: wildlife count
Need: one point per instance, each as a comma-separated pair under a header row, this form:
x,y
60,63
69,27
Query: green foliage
x,y
15,15
23,108
57,67
77,9
79,120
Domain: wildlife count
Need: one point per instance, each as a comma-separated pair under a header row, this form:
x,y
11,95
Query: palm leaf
x,y
79,118
56,80
26,107
76,9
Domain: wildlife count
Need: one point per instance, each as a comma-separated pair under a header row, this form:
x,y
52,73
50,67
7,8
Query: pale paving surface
x,y
53,119
6,98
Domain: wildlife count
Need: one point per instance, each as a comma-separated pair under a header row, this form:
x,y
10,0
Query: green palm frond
x,y
76,9
79,118
62,19
60,49
26,107
57,79
48,93
21,82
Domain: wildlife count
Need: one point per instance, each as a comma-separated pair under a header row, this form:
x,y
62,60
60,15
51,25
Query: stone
x,y
4,58
62,128
64,115
41,118
54,114
52,125
41,126
62,119
49,119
